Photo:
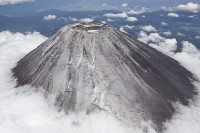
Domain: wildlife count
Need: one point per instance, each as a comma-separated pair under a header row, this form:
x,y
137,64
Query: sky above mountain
x,y
38,5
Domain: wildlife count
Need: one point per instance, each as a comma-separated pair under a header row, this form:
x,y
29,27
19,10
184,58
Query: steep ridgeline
x,y
93,66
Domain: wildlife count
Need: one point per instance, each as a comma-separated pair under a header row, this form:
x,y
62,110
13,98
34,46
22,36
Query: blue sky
x,y
37,5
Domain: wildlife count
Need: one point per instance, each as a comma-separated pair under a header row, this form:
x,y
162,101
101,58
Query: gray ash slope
x,y
93,66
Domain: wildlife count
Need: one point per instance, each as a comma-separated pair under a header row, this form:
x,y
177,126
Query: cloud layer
x,y
149,28
191,7
86,20
186,120
137,11
6,2
117,15
173,15
124,5
132,19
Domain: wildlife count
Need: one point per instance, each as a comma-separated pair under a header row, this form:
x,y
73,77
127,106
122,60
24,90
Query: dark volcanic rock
x,y
92,65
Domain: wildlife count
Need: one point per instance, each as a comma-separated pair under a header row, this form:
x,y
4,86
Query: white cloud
x,y
152,37
191,7
149,28
7,37
50,17
167,46
187,117
189,55
191,16
190,58
197,37
73,19
180,34
164,24
167,33
104,4
123,28
187,120
110,20
118,15
6,2
189,48
86,20
167,8
128,27
137,11
173,15
132,19
63,18
124,5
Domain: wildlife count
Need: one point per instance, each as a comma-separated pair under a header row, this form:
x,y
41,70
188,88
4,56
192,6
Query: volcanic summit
x,y
92,66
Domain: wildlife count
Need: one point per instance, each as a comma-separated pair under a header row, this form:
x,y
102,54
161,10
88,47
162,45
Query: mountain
x,y
93,66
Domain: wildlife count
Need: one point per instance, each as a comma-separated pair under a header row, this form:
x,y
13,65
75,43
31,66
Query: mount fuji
x,y
92,66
